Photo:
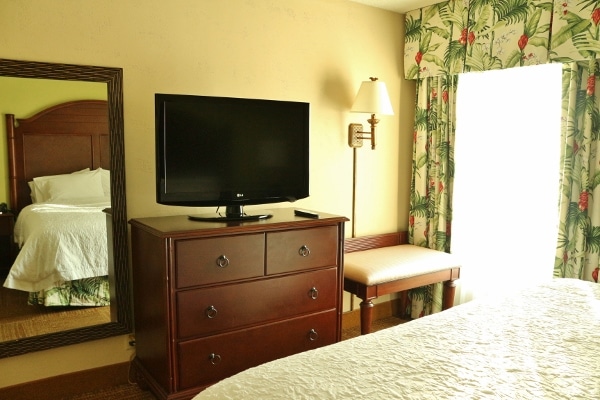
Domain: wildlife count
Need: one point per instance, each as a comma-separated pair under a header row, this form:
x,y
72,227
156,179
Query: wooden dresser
x,y
212,299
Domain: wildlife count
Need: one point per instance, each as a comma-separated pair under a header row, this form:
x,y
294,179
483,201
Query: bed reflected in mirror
x,y
76,158
64,237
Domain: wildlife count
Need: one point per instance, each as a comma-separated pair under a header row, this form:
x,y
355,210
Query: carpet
x,y
19,320
375,326
122,392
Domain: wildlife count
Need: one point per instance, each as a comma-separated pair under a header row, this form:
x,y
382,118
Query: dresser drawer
x,y
220,259
301,249
216,309
208,360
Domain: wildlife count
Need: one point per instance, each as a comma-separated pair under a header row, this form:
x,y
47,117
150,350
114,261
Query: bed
x,y
59,183
542,342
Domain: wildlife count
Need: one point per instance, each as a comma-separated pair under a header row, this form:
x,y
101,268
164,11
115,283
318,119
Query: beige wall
x,y
305,50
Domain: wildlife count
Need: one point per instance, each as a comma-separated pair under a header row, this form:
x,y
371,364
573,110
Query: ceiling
x,y
399,6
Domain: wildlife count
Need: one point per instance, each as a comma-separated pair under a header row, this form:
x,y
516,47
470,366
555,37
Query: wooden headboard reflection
x,y
58,140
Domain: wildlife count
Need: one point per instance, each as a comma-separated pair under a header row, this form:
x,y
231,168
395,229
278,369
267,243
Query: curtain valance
x,y
478,35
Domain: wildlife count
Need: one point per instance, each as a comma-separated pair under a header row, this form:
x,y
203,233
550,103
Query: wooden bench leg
x,y
449,289
403,301
366,316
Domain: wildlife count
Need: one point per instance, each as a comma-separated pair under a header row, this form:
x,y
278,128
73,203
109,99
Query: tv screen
x,y
230,152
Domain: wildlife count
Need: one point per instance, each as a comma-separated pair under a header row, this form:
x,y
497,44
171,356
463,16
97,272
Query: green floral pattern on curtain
x,y
476,35
575,30
432,176
578,250
506,34
479,35
435,40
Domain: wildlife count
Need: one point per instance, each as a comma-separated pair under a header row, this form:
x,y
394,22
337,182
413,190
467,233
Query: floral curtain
x,y
457,36
578,247
435,40
476,35
506,34
575,30
432,177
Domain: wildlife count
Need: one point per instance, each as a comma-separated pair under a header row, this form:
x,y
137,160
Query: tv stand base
x,y
232,213
225,218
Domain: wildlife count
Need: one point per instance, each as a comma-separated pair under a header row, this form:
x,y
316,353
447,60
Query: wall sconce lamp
x,y
372,98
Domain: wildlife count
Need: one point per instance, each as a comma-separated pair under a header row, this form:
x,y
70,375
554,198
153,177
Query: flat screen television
x,y
230,152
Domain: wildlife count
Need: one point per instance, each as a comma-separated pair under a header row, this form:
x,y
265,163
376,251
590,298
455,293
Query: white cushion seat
x,y
385,264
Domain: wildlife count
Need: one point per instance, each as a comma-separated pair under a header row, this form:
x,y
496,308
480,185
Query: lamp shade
x,y
373,98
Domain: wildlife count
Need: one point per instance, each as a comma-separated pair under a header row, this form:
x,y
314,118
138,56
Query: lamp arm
x,y
373,121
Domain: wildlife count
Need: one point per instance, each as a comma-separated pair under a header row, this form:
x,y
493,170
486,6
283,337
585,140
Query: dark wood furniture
x,y
7,248
376,282
76,132
212,299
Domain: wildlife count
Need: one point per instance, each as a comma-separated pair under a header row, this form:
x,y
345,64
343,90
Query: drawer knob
x,y
304,251
211,312
214,358
313,335
314,293
222,261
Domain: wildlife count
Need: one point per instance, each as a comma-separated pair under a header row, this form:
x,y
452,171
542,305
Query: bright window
x,y
505,204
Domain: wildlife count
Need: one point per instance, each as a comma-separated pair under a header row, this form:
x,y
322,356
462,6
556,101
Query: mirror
x,y
118,266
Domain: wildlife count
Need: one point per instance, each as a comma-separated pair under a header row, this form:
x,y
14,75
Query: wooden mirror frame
x,y
113,77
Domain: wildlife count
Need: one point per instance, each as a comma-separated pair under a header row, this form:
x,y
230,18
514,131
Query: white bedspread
x,y
539,344
59,242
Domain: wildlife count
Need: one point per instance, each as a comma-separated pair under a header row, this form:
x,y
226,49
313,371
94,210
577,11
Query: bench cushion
x,y
392,263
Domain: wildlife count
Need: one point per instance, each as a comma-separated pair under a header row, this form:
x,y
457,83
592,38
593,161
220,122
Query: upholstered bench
x,y
375,272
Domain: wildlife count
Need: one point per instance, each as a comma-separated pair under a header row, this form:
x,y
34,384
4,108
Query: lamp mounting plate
x,y
355,135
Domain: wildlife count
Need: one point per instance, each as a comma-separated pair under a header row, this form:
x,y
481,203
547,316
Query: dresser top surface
x,y
282,218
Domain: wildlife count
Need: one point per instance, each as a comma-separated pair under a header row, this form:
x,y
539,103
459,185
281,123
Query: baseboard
x,y
67,385
385,309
